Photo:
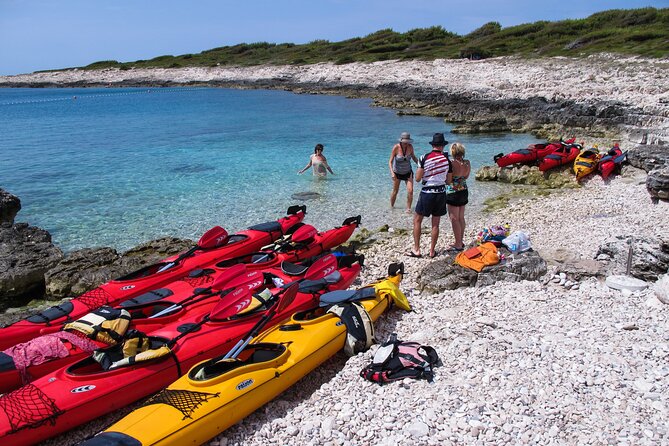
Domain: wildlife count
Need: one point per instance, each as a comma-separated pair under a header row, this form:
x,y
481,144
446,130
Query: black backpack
x,y
396,360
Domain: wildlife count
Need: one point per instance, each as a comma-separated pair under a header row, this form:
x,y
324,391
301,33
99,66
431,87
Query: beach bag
x,y
396,360
359,327
478,257
494,233
518,242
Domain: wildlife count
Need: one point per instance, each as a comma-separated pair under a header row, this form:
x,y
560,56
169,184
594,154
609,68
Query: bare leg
x,y
417,222
434,236
453,212
409,193
393,194
461,218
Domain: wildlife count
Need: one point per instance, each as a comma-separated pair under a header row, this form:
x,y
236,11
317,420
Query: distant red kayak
x,y
530,155
611,161
89,388
214,246
559,157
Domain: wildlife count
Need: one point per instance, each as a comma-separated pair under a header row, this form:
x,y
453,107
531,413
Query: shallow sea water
x,y
117,167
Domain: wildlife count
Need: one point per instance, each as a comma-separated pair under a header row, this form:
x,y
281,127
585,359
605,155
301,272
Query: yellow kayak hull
x,y
193,410
586,163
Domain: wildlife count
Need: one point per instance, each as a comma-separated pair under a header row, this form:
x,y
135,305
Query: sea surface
x,y
118,167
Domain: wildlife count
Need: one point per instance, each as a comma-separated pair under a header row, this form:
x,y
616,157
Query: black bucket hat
x,y
438,140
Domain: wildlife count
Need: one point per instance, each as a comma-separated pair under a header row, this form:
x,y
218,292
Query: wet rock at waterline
x,y
443,274
531,175
26,253
80,271
304,196
10,205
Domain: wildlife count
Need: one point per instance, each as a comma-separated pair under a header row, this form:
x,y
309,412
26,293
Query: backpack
x,y
359,328
478,257
396,360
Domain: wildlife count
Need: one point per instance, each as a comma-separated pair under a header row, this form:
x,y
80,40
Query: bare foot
x,y
408,211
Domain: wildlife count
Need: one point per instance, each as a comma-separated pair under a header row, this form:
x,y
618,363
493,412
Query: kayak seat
x,y
252,354
293,269
51,313
314,286
147,297
270,226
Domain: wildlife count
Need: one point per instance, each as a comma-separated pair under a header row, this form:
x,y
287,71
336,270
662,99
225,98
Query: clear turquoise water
x,y
116,167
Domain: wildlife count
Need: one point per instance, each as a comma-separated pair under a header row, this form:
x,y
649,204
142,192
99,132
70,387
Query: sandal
x,y
453,248
413,254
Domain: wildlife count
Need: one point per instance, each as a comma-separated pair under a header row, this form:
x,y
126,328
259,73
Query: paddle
x,y
341,296
220,283
213,238
237,301
285,299
303,235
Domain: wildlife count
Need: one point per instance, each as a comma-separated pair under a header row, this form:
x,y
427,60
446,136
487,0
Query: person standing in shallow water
x,y
318,162
400,168
457,194
434,172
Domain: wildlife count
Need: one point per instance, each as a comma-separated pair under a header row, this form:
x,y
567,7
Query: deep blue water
x,y
116,167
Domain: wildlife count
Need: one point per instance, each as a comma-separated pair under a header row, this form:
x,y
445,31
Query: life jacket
x,y
359,327
106,324
478,257
136,348
396,360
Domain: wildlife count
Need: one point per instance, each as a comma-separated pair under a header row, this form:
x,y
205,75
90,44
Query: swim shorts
x,y
403,176
458,198
431,204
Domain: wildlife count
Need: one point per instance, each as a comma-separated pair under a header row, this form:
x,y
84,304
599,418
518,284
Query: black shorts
x,y
403,176
431,204
458,198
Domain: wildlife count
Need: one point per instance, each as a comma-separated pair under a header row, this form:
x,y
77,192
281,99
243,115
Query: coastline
x,y
524,362
605,96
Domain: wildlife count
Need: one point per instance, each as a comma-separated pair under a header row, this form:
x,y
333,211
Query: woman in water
x,y
400,168
457,195
319,163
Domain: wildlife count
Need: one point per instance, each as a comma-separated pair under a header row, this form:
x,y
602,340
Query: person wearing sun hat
x,y
434,172
400,168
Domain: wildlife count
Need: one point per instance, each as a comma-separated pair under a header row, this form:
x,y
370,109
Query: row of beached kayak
x,y
219,330
551,155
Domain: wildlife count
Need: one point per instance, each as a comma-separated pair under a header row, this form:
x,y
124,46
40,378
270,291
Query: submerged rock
x,y
26,253
10,205
305,196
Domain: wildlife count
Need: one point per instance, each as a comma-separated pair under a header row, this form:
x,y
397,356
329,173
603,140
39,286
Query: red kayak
x,y
566,154
110,379
214,246
611,161
530,155
48,352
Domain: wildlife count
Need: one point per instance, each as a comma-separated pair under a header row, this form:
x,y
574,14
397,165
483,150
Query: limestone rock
x,y
650,257
530,175
80,271
649,157
662,289
26,253
150,252
445,275
10,205
657,184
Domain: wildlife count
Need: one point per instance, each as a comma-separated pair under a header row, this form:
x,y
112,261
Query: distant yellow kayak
x,y
586,162
218,393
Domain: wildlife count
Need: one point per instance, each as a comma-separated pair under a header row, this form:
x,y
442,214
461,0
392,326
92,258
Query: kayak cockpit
x,y
253,357
129,353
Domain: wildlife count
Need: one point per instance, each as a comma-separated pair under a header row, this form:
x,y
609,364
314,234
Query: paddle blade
x,y
227,275
251,280
395,269
321,267
304,234
287,297
235,302
213,238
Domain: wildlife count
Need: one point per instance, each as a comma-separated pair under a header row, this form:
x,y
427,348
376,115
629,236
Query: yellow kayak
x,y
218,393
586,162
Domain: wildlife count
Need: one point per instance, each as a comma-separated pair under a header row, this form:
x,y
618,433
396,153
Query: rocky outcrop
x,y
657,184
26,254
446,275
531,175
10,205
650,257
85,269
649,156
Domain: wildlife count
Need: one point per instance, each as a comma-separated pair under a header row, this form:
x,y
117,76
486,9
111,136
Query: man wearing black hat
x,y
434,172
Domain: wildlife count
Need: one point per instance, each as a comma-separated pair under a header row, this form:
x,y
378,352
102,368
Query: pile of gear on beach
x,y
585,161
491,246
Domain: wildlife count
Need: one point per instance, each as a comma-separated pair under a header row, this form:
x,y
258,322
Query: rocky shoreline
x,y
524,361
